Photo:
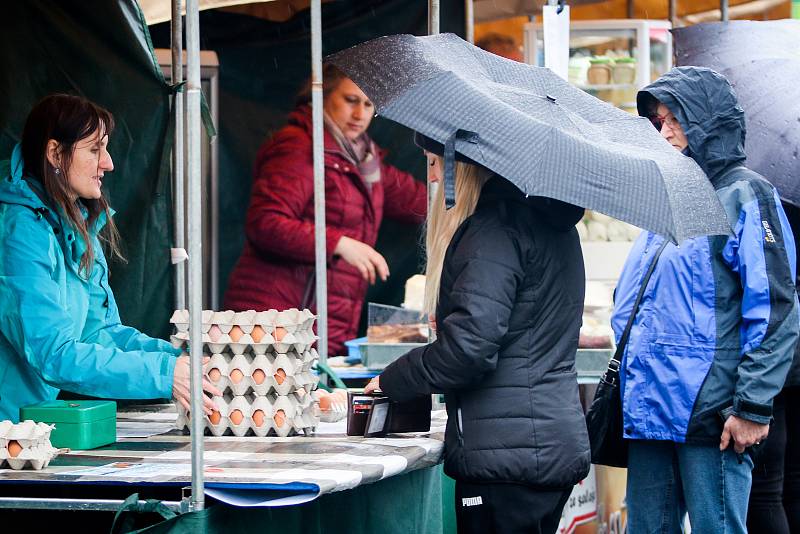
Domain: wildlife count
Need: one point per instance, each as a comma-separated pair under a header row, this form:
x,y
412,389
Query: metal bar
x,y
630,9
107,505
433,17
673,12
179,200
469,15
319,181
433,29
213,157
195,243
723,9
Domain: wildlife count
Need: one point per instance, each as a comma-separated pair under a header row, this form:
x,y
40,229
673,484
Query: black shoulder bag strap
x,y
611,375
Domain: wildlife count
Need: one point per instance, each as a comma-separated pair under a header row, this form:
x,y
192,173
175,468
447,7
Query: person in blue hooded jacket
x,y
59,323
716,329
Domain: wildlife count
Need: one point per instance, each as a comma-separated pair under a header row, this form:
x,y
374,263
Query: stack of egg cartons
x,y
261,361
26,444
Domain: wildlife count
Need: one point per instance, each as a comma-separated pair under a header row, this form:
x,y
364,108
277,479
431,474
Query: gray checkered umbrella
x,y
536,130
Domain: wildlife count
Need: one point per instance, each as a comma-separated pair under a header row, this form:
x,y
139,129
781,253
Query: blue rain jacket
x,y
718,323
58,330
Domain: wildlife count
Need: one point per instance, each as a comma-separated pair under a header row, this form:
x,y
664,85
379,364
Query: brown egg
x,y
236,417
14,448
214,374
236,333
257,333
280,376
258,376
214,417
280,418
279,333
236,376
258,417
214,333
325,403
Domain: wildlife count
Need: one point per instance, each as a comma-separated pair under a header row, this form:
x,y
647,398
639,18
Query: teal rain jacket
x,y
58,330
718,322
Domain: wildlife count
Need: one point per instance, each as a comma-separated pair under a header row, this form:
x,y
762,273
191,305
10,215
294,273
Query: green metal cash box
x,y
79,424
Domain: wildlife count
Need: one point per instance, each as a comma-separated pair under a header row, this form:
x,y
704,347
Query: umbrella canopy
x,y
536,130
762,62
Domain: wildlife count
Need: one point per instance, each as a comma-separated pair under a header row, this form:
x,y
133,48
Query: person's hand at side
x,y
744,434
181,389
363,257
374,385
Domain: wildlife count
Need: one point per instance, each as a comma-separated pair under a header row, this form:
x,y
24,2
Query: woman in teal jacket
x,y
59,323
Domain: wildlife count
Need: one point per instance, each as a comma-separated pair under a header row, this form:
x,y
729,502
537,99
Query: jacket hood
x,y
560,216
14,189
706,106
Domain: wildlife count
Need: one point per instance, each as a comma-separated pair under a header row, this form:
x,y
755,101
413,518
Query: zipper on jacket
x,y
459,426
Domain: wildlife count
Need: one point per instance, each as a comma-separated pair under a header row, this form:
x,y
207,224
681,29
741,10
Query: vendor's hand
x,y
374,385
363,257
743,432
181,388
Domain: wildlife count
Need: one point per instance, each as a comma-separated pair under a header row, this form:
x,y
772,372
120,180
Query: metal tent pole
x,y
433,29
319,181
723,9
433,17
469,15
195,243
178,178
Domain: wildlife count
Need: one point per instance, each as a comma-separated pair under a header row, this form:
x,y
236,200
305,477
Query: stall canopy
x,y
103,51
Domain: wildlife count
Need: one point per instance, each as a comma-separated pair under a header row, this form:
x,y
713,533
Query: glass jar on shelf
x,y
624,70
599,72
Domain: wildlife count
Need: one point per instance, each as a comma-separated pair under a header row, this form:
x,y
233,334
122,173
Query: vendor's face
x,y
90,160
434,167
671,129
349,108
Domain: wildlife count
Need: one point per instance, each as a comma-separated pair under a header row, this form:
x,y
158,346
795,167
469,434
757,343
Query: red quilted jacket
x,y
277,265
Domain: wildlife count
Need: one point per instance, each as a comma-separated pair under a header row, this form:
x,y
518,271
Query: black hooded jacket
x,y
509,314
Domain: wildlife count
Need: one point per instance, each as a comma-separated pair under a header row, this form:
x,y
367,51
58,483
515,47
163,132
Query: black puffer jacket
x,y
510,304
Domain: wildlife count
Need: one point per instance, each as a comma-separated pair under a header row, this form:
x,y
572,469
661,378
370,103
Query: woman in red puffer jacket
x,y
276,269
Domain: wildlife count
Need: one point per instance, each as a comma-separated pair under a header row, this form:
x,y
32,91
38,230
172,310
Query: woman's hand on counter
x,y
181,389
363,257
374,385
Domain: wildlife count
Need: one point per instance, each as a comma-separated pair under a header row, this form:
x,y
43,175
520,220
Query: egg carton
x,y
26,444
256,415
271,321
245,343
263,373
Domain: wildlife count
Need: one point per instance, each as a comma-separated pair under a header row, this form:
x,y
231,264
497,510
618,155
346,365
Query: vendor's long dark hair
x,y
68,119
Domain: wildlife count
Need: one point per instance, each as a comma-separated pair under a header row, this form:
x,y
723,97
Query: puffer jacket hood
x,y
706,106
558,215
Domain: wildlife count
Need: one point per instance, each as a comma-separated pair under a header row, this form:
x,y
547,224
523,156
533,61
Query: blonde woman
x,y
506,285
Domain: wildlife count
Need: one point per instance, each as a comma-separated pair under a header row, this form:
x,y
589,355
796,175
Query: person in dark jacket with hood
x,y
775,497
714,336
506,282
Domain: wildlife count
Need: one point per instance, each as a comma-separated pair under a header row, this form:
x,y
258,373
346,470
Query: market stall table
x,y
151,456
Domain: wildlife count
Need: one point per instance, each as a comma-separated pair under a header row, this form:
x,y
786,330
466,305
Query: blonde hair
x,y
442,223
